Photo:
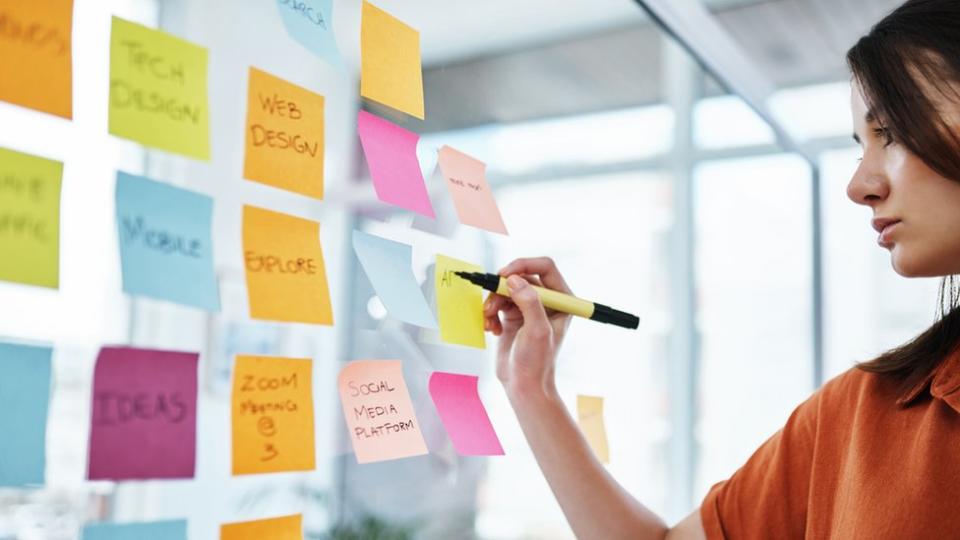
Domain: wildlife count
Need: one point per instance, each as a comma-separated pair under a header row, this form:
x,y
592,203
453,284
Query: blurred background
x,y
683,160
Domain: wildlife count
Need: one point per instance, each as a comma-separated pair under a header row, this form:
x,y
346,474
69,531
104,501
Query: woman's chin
x,y
910,265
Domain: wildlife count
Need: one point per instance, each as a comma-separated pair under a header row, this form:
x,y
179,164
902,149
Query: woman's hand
x,y
530,335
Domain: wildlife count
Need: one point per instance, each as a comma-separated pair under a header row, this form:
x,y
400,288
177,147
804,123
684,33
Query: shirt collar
x,y
943,383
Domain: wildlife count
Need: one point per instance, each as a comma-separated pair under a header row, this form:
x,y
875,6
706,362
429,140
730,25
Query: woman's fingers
x,y
535,323
544,267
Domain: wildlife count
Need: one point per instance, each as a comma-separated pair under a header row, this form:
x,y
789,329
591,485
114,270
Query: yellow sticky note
x,y
284,137
30,219
286,277
36,55
158,90
272,415
459,303
590,418
390,70
280,528
380,418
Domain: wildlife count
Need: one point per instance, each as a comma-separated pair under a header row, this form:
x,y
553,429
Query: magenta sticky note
x,y
144,421
457,400
391,153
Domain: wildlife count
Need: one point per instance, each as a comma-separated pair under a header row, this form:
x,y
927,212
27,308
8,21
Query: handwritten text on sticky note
x,y
284,141
144,415
166,245
36,52
459,303
158,90
24,401
286,278
29,219
379,414
391,153
310,22
279,528
272,415
457,399
390,70
467,182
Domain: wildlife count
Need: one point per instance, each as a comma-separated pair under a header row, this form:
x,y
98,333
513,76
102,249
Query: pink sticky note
x,y
378,411
391,153
463,415
144,421
467,181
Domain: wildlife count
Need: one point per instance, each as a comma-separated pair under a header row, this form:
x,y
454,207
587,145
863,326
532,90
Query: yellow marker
x,y
557,301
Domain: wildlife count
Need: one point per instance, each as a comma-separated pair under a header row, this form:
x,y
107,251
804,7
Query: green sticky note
x,y
29,219
158,90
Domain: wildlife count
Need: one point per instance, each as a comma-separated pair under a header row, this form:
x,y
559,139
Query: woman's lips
x,y
885,238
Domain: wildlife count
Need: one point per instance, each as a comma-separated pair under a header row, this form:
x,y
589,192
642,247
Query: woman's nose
x,y
868,185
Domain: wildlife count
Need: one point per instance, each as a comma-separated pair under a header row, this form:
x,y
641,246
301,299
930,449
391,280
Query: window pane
x,y
754,305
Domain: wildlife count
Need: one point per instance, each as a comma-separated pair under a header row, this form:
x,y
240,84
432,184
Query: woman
x,y
874,453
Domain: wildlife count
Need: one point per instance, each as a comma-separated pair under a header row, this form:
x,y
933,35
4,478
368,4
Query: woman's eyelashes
x,y
884,133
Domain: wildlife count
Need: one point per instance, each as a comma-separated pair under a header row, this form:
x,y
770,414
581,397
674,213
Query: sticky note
x,y
36,48
457,399
459,303
388,267
284,140
590,418
29,219
310,22
166,245
391,153
390,70
158,90
24,401
279,528
466,179
154,530
272,415
286,277
144,415
376,405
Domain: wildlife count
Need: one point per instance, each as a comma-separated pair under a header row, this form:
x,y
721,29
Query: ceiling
x,y
504,61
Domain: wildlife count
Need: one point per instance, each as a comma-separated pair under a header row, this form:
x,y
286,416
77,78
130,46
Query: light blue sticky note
x,y
166,246
155,530
310,22
24,399
388,266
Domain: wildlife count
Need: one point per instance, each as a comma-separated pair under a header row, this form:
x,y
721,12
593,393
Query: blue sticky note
x,y
24,400
155,530
388,266
166,247
310,22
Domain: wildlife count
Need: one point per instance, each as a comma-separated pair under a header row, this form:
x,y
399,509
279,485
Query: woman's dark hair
x,y
908,69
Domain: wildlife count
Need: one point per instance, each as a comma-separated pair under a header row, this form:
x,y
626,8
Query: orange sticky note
x,y
467,182
390,70
280,528
272,415
378,411
286,277
36,55
284,135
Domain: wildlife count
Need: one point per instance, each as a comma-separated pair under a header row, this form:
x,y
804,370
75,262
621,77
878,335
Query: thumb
x,y
534,316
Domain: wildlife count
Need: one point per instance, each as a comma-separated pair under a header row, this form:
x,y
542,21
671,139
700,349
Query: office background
x,y
710,202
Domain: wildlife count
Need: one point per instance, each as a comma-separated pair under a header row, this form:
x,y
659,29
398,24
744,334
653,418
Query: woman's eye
x,y
885,134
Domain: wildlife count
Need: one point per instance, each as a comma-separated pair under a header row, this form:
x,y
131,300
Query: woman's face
x,y
917,210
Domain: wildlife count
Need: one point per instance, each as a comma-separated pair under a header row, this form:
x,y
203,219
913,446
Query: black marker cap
x,y
605,314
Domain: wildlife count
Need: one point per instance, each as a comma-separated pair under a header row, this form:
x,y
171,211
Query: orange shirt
x,y
859,459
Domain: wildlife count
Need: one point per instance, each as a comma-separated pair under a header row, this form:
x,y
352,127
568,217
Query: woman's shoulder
x,y
855,389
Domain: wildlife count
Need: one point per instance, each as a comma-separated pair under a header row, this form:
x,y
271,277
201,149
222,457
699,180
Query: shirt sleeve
x,y
767,497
